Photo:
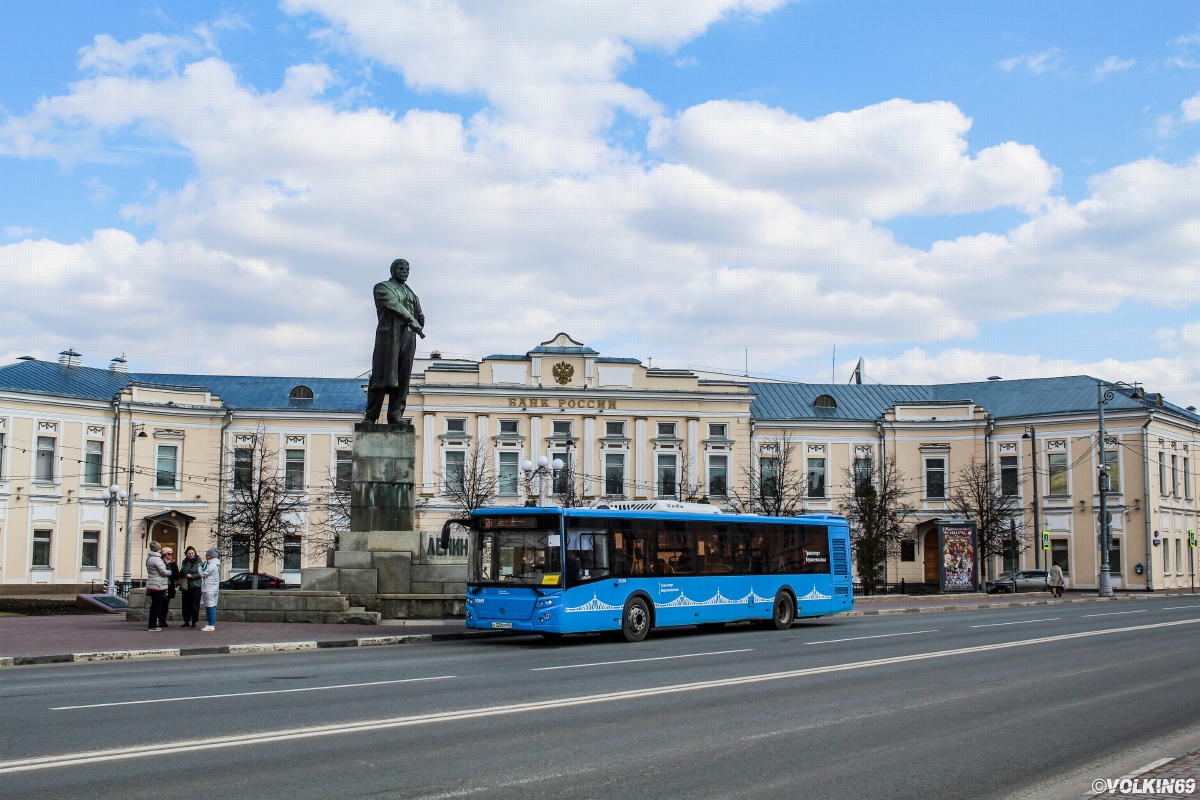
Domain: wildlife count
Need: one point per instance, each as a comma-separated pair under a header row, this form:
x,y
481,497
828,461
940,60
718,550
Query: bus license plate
x,y
501,624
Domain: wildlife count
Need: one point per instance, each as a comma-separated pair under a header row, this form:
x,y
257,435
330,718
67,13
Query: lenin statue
x,y
400,323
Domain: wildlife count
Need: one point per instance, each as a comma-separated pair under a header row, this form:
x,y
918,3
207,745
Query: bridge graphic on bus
x,y
596,604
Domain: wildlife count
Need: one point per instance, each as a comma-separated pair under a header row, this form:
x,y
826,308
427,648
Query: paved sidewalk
x,y
1165,778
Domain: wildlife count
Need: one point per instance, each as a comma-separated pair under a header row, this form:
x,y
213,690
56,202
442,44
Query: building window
x,y
456,461
614,474
614,427
1162,474
41,548
718,476
241,553
908,550
666,430
862,475
164,474
507,474
1114,557
510,426
1058,473
1,455
935,478
1179,555
243,468
343,470
90,557
1060,553
291,552
564,477
45,458
1175,475
768,476
1187,477
1112,465
562,427
1010,476
718,430
293,470
456,426
93,459
666,475
816,477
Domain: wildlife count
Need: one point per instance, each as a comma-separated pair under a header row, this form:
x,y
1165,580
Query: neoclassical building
x,y
625,430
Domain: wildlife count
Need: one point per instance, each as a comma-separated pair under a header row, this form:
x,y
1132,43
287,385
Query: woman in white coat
x,y
210,586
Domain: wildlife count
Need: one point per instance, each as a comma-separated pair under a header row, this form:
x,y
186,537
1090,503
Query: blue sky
x,y
949,190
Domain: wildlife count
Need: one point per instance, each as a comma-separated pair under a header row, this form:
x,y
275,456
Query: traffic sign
x,y
1045,540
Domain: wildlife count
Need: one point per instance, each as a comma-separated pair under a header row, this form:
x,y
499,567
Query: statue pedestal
x,y
379,564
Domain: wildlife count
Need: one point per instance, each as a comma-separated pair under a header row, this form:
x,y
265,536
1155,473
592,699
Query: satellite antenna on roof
x,y
857,376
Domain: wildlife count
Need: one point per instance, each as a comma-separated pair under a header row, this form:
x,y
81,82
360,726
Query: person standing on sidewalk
x,y
189,587
168,557
157,579
1056,580
210,586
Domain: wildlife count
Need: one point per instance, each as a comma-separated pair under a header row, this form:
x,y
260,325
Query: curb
x,y
1021,604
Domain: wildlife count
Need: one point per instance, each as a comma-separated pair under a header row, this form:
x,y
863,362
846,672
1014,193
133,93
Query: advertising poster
x,y
958,558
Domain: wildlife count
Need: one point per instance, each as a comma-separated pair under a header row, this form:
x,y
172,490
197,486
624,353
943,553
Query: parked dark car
x,y
245,580
1028,580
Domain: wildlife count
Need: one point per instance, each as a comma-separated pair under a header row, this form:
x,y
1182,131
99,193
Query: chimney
x,y
118,364
69,358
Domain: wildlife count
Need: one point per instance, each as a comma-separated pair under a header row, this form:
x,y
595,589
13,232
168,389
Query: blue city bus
x,y
556,571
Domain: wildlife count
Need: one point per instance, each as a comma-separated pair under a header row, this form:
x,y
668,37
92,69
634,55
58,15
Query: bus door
x,y
839,551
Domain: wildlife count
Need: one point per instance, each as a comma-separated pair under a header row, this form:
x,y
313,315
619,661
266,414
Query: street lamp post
x,y
127,578
1031,435
112,496
541,471
1104,393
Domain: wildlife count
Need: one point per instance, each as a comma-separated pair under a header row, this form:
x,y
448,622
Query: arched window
x,y
302,393
825,401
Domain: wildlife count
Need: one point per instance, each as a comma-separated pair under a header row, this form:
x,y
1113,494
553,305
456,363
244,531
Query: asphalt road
x,y
954,704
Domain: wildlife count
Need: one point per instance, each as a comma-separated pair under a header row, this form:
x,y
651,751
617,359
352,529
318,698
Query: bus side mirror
x,y
444,538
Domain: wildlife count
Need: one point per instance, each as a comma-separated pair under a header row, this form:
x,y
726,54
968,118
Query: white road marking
x,y
878,636
636,660
241,740
1021,622
1114,613
1177,608
248,694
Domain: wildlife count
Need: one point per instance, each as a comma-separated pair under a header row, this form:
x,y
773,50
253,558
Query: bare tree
x,y
471,484
775,483
978,495
878,512
325,529
264,511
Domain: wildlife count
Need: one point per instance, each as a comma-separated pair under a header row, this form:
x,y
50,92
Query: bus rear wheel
x,y
784,613
635,620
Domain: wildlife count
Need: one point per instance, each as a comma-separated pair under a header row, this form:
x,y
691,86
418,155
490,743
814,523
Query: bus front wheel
x,y
784,613
635,620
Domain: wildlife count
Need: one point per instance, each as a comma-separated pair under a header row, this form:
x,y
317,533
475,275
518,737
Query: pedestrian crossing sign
x,y
1045,540
1191,538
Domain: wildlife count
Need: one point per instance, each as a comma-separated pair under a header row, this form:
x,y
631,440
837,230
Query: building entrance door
x,y
167,535
931,556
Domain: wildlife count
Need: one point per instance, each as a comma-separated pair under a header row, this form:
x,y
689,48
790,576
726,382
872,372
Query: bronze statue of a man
x,y
400,323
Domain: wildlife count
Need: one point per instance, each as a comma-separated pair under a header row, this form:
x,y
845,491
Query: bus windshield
x,y
520,550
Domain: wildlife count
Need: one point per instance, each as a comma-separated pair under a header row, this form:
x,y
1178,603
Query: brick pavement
x,y
1163,782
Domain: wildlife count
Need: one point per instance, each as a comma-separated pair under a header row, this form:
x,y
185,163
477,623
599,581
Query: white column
x,y
641,488
428,453
694,455
535,371
589,456
481,430
535,438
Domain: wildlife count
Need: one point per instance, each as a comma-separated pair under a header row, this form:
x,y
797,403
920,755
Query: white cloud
x,y
153,53
897,157
1112,64
1191,109
1036,63
19,231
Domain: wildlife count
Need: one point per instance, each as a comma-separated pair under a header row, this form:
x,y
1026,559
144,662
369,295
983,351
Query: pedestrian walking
x,y
1056,580
168,557
157,579
189,587
210,586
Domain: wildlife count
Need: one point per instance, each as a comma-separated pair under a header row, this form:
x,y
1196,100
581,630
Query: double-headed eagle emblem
x,y
562,372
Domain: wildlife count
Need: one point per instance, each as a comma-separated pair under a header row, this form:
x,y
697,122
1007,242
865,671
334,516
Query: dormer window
x,y
825,401
301,393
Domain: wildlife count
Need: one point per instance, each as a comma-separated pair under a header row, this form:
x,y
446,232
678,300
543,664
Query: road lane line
x,y
248,694
1177,608
878,636
242,740
1020,622
636,660
1114,613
